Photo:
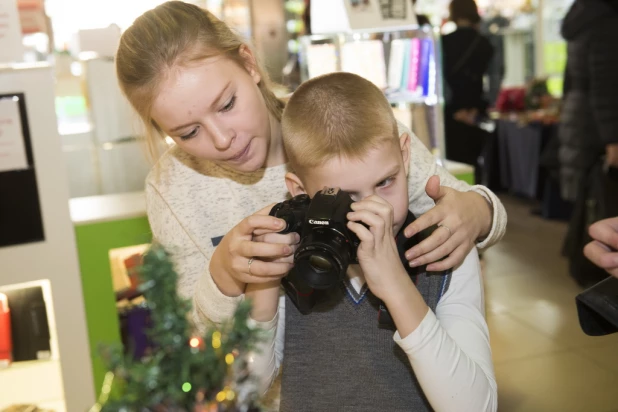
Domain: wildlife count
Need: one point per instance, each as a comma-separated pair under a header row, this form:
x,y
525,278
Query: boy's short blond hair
x,y
337,114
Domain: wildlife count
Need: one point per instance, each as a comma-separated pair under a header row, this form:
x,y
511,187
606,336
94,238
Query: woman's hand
x,y
462,217
253,252
603,250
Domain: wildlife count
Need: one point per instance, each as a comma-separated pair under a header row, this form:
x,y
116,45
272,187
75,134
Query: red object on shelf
x,y
133,263
511,100
6,343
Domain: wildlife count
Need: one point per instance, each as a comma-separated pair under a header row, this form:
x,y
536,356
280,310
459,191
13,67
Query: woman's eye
x,y
385,182
230,105
190,134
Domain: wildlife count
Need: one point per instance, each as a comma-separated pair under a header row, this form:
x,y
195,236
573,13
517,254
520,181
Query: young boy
x,y
339,131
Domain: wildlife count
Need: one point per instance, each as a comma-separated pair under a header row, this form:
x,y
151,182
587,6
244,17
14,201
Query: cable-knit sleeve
x,y
191,262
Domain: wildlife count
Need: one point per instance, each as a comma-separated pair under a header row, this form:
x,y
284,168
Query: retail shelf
x,y
35,382
408,98
95,209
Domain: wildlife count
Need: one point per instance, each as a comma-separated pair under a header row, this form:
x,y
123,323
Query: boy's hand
x,y
377,253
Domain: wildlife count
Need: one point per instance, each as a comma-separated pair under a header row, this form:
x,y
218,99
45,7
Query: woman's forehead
x,y
193,87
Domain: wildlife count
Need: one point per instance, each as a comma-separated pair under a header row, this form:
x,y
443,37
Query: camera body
x,y
327,247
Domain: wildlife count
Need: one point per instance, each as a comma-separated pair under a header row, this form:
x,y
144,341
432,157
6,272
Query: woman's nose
x,y
221,137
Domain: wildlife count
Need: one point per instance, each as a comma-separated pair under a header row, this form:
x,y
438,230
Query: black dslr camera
x,y
327,246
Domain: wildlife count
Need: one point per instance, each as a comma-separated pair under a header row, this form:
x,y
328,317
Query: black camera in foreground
x,y
327,247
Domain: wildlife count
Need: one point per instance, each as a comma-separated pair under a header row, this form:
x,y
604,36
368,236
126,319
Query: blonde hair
x,y
337,114
175,33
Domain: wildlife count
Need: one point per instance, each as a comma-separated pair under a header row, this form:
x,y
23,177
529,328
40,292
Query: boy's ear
x,y
404,144
294,184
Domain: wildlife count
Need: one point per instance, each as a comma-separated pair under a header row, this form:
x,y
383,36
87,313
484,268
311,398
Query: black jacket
x,y
590,113
466,55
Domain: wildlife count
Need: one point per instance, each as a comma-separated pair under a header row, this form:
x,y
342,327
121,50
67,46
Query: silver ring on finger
x,y
450,232
250,262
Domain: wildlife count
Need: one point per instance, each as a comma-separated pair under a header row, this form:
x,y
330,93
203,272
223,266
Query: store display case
x,y
40,272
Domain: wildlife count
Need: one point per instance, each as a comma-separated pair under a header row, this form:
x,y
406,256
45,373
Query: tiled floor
x,y
543,361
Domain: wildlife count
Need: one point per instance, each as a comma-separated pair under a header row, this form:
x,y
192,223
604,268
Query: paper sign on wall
x,y
333,16
12,147
11,47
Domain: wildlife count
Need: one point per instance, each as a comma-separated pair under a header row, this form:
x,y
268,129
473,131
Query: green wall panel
x,y
93,244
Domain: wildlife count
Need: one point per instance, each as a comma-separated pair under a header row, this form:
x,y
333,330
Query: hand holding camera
x,y
252,252
377,252
327,247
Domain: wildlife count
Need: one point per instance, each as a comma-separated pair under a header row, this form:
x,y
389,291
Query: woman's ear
x,y
404,144
294,184
250,62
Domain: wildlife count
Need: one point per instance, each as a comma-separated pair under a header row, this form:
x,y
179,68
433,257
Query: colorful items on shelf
x,y
411,69
531,103
409,76
6,344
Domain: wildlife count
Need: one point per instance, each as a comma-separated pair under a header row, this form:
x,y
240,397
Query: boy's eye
x,y
190,134
386,182
229,105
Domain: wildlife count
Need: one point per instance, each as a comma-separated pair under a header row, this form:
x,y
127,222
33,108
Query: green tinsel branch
x,y
184,372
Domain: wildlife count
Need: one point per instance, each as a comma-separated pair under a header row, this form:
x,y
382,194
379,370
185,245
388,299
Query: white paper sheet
x,y
12,147
11,48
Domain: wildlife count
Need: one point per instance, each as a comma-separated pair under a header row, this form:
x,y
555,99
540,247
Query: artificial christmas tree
x,y
182,371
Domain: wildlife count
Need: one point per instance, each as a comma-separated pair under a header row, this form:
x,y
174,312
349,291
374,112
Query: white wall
x,y
56,257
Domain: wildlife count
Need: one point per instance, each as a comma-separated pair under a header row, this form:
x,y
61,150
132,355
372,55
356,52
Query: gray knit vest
x,y
337,358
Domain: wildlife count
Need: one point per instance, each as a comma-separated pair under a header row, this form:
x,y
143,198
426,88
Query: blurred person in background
x,y
466,57
588,128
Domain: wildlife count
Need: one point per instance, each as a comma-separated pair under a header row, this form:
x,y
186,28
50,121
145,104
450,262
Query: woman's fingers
x,y
264,250
441,250
419,253
288,238
455,258
260,271
260,224
427,220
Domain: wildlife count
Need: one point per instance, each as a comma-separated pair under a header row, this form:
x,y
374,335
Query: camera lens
x,y
320,263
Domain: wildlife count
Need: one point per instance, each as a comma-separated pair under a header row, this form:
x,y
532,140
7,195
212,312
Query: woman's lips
x,y
240,155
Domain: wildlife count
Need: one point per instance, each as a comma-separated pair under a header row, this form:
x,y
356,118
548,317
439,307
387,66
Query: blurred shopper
x,y
467,54
466,57
589,126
